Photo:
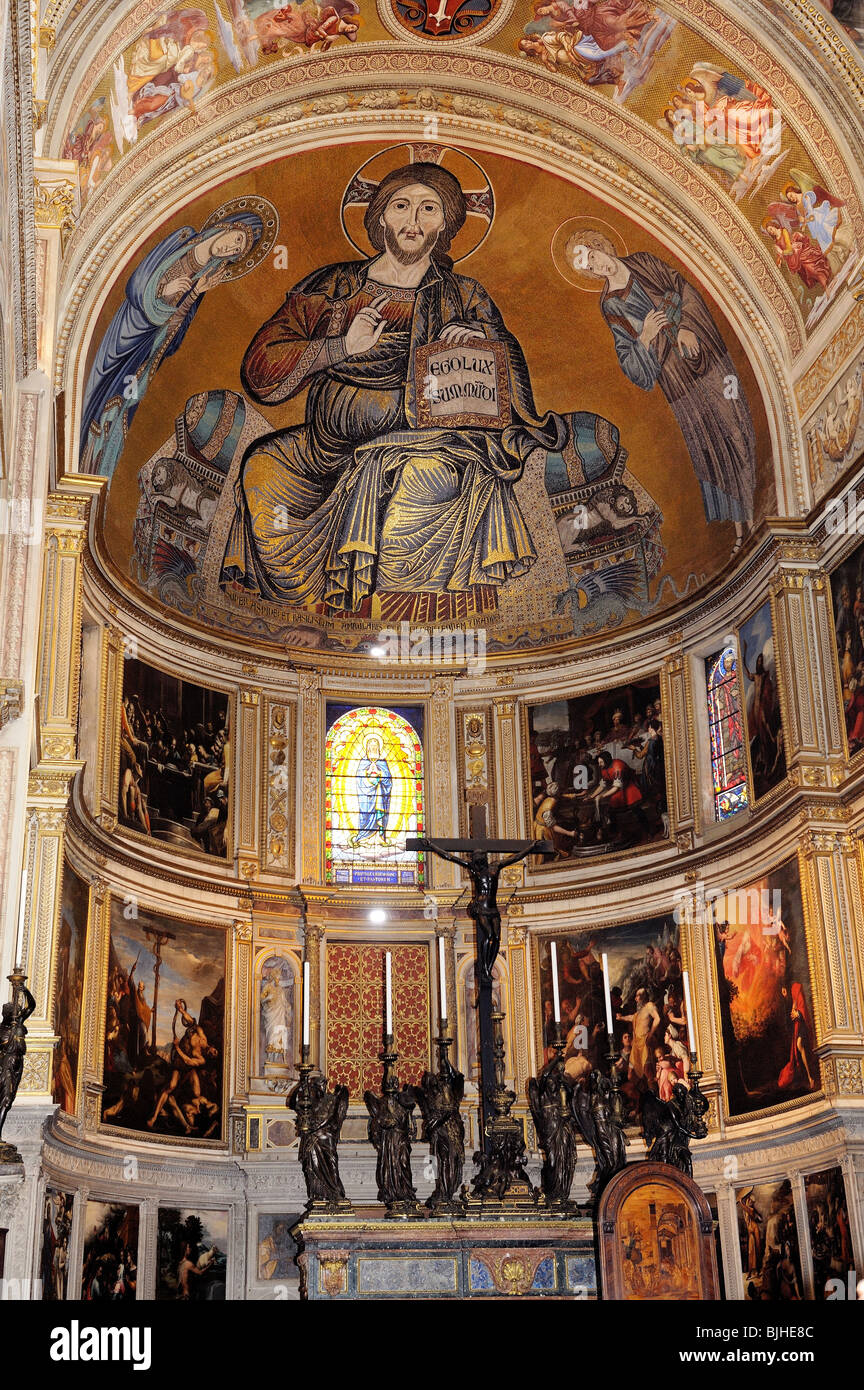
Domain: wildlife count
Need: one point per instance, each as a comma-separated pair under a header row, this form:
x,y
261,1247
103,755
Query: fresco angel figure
x,y
163,295
665,336
810,209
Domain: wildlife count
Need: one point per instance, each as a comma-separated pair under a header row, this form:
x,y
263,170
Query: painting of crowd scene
x,y
648,1010
174,760
109,1271
768,1237
763,980
164,1027
762,701
847,591
71,948
830,1234
193,1255
598,771
56,1236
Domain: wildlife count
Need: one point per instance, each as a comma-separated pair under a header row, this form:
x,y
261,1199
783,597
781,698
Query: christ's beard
x,y
406,257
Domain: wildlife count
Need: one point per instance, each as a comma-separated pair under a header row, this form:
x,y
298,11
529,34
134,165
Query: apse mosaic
x,y
648,1010
373,795
763,981
598,771
164,1026
320,454
762,701
69,986
174,760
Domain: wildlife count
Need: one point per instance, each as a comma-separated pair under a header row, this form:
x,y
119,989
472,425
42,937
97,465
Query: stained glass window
x,y
726,728
374,798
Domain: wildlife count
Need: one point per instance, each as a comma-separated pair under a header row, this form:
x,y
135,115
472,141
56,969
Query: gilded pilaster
x,y
520,1005
312,783
313,936
442,821
242,1009
677,704
809,691
697,950
247,764
110,695
59,663
278,788
831,880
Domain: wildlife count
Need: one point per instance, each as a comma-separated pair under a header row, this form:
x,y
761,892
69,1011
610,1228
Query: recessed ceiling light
x,y
377,916
377,651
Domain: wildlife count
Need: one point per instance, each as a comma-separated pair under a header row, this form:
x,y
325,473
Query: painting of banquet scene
x,y
598,771
174,760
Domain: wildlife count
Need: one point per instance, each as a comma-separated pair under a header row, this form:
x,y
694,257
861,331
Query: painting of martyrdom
x,y
163,295
56,1237
665,336
768,1239
109,1271
602,42
175,758
276,1246
192,1255
165,1026
847,592
830,1233
660,1244
764,986
647,1006
598,771
276,1013
374,794
471,1003
69,986
762,701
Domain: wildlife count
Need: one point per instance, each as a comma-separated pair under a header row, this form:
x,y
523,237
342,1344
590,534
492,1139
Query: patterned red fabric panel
x,y
355,1013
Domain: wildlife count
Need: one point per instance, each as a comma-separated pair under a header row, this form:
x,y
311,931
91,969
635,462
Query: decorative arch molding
x,y
736,271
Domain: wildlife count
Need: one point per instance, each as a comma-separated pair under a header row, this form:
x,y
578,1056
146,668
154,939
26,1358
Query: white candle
x,y
609,1025
556,1001
22,903
442,979
305,1003
388,996
691,1017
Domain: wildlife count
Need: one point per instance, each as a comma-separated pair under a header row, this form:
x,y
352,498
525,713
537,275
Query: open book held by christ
x,y
463,385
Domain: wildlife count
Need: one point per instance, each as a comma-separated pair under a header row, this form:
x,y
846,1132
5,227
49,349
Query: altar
x,y
367,1256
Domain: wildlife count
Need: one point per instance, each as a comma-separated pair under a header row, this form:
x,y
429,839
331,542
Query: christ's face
x,y
413,220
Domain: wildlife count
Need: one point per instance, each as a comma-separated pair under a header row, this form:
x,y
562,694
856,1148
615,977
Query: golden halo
x,y
472,177
269,219
568,229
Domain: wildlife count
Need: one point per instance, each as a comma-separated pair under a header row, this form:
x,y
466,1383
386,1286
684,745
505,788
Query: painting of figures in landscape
x,y
57,1210
766,1008
647,1006
598,771
192,1255
164,1026
762,701
847,592
109,1271
830,1233
69,986
174,760
570,493
768,1238
660,1238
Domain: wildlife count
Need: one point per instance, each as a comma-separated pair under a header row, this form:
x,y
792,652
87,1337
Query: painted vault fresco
x,y
324,453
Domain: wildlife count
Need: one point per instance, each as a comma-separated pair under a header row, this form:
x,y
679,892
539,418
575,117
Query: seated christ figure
x,y
360,503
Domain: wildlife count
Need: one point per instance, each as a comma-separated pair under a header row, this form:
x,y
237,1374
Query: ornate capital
x,y
55,205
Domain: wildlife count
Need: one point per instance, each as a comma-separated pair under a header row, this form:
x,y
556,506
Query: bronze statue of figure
x,y
13,1046
321,1114
391,1131
483,907
594,1110
551,1101
438,1098
669,1125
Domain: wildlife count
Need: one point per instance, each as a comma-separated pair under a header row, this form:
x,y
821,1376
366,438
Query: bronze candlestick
x,y
320,1116
438,1098
550,1096
13,1046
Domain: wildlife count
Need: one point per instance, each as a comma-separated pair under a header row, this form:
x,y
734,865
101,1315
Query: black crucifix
x,y
483,910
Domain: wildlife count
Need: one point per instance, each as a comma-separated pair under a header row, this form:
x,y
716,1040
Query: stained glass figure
x,y
726,729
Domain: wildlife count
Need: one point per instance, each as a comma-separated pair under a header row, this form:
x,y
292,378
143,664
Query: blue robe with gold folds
x,y
359,498
374,788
